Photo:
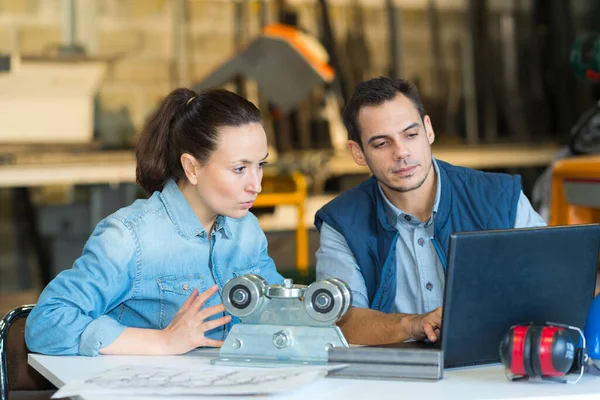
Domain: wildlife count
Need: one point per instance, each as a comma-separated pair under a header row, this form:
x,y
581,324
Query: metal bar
x,y
471,90
387,363
395,67
180,53
439,80
239,26
70,25
329,42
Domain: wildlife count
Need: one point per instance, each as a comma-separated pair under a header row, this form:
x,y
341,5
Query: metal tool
x,y
283,323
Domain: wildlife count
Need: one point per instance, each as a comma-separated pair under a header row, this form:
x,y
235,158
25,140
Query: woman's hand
x,y
186,330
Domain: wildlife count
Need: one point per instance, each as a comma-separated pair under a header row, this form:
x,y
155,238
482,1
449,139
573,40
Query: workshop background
x,y
504,82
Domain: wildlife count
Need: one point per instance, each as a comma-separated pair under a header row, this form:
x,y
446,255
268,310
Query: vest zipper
x,y
439,252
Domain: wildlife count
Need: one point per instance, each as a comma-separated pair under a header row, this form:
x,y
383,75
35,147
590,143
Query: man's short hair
x,y
375,92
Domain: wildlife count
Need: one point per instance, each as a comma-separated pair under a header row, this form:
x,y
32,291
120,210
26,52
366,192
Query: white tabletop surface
x,y
483,382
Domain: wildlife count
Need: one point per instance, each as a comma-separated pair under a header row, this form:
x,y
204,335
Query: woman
x,y
148,279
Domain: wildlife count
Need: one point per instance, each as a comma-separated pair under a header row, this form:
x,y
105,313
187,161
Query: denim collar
x,y
181,214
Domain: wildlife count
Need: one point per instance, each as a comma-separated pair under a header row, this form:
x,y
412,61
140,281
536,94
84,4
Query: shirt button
x,y
429,286
407,217
185,286
202,234
421,241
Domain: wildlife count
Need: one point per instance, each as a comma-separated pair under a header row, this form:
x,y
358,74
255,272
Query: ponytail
x,y
155,143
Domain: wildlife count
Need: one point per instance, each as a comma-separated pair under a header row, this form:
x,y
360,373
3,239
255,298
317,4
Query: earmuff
x,y
542,351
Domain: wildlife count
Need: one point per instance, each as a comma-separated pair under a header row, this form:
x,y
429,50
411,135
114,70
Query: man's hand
x,y
186,330
426,326
371,327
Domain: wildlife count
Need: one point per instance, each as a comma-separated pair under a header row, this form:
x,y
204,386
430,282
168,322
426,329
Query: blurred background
x,y
510,85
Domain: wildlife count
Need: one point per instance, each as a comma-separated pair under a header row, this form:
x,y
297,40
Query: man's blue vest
x,y
470,201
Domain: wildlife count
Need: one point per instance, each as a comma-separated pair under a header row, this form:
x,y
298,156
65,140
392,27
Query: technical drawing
x,y
153,377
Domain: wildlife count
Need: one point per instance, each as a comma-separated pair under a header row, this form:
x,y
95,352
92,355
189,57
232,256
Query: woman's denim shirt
x,y
138,268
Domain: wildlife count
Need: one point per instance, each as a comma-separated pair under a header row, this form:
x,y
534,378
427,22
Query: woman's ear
x,y
190,167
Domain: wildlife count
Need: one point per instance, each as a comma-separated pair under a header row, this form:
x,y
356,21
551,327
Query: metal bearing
x,y
243,295
343,286
324,301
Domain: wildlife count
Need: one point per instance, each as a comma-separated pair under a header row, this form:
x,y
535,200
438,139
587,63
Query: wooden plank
x,y
63,157
71,174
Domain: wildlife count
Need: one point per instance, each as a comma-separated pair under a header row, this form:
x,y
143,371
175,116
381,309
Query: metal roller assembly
x,y
284,322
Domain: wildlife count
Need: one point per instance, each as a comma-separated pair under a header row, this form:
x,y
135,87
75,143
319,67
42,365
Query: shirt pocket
x,y
244,270
174,291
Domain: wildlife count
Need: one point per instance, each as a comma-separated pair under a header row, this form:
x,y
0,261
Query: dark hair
x,y
186,122
375,92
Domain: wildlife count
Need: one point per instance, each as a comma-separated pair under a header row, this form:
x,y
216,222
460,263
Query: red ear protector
x,y
545,351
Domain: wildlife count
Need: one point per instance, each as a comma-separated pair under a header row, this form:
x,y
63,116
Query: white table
x,y
484,382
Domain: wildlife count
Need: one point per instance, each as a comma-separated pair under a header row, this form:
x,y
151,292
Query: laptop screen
x,y
496,279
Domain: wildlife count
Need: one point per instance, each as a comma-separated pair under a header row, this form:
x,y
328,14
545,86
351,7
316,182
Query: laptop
x,y
496,279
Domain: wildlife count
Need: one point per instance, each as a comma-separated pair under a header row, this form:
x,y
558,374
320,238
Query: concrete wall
x,y
137,37
150,53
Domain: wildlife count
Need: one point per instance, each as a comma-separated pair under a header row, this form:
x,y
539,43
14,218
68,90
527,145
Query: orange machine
x,y
576,191
286,63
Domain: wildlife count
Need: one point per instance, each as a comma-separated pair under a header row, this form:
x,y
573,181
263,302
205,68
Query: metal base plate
x,y
267,344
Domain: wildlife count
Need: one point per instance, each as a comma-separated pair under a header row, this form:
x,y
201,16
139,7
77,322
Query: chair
x,y
17,378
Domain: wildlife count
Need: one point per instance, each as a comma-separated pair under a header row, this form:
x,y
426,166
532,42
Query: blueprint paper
x,y
135,380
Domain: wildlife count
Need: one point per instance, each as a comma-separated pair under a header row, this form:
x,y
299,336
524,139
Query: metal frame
x,y
296,198
5,324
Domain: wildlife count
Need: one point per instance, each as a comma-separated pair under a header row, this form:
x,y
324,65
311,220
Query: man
x,y
388,237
